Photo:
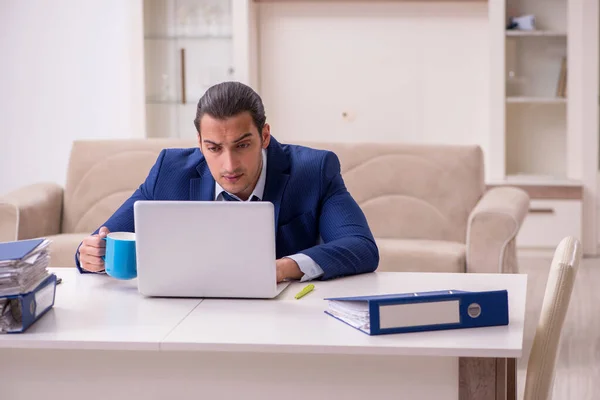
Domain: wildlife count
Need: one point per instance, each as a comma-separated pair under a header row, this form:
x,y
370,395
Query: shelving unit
x,y
190,37
189,45
535,33
544,135
536,125
534,115
536,130
536,100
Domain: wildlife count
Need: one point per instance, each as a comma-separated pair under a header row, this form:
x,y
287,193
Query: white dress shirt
x,y
307,265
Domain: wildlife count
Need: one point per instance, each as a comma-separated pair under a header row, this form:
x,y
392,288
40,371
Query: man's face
x,y
232,148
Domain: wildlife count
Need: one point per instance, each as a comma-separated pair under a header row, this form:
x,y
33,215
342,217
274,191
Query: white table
x,y
255,349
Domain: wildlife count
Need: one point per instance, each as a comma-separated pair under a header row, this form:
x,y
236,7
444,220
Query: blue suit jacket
x,y
308,194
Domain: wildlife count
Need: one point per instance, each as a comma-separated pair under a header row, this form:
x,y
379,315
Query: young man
x,y
320,230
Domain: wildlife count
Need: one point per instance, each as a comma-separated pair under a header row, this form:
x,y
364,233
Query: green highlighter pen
x,y
305,291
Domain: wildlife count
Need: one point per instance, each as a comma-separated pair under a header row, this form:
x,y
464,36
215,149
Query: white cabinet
x,y
544,114
549,221
555,211
190,45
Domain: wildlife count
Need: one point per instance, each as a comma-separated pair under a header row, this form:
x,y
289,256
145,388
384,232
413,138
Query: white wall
x,y
69,70
401,71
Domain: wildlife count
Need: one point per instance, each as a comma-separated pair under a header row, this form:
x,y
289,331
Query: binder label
x,y
43,299
418,314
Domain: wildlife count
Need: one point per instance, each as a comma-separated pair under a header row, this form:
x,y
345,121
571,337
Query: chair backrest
x,y
406,191
544,353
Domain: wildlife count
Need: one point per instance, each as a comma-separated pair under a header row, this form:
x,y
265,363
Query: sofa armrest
x,y
492,228
32,211
9,218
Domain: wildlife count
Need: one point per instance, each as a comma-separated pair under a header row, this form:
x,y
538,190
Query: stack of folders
x,y
26,287
422,311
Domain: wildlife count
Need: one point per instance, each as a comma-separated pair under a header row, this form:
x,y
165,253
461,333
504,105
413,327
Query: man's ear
x,y
266,136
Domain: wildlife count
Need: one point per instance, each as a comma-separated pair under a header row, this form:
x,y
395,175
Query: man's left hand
x,y
287,269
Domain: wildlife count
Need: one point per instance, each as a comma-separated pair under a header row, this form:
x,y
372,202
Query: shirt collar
x,y
259,189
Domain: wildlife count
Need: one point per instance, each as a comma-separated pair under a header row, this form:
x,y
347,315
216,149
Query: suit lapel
x,y
277,176
202,188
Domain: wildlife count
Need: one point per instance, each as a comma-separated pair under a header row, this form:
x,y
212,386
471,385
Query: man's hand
x,y
91,251
287,269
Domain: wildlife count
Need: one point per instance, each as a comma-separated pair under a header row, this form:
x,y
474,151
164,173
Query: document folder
x,y
23,265
423,311
13,251
18,312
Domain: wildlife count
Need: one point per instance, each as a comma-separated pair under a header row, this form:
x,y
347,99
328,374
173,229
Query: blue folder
x,y
14,251
421,311
27,308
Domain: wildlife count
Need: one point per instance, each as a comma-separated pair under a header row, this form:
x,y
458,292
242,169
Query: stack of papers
x,y
23,265
27,289
354,313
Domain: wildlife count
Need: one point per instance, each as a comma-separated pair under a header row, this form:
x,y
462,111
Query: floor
x,y
578,368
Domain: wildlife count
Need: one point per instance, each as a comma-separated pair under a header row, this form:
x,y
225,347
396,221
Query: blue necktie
x,y
229,197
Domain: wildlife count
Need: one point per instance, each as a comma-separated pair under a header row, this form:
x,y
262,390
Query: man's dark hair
x,y
228,99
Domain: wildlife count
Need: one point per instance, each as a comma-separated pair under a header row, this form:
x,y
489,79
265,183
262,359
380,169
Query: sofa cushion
x,y
63,247
413,191
406,255
102,174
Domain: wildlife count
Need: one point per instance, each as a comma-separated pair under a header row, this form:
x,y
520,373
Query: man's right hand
x,y
91,251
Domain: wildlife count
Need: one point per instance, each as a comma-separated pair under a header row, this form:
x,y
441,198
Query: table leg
x,y
511,381
501,375
487,379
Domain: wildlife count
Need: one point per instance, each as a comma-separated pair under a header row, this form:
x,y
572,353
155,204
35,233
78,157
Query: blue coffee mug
x,y
120,260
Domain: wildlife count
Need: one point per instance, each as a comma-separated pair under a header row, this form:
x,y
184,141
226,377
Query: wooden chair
x,y
541,367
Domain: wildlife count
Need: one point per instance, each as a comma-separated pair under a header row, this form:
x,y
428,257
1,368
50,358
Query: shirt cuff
x,y
307,265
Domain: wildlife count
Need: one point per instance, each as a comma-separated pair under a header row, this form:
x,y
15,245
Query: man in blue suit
x,y
320,230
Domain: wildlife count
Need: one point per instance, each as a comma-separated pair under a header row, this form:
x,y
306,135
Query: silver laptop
x,y
206,249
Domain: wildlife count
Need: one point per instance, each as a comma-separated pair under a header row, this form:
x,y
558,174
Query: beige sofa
x,y
426,205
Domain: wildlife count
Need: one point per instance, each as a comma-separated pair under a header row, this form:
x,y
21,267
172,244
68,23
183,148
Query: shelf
x,y
536,100
540,33
541,180
171,103
543,187
165,102
189,37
